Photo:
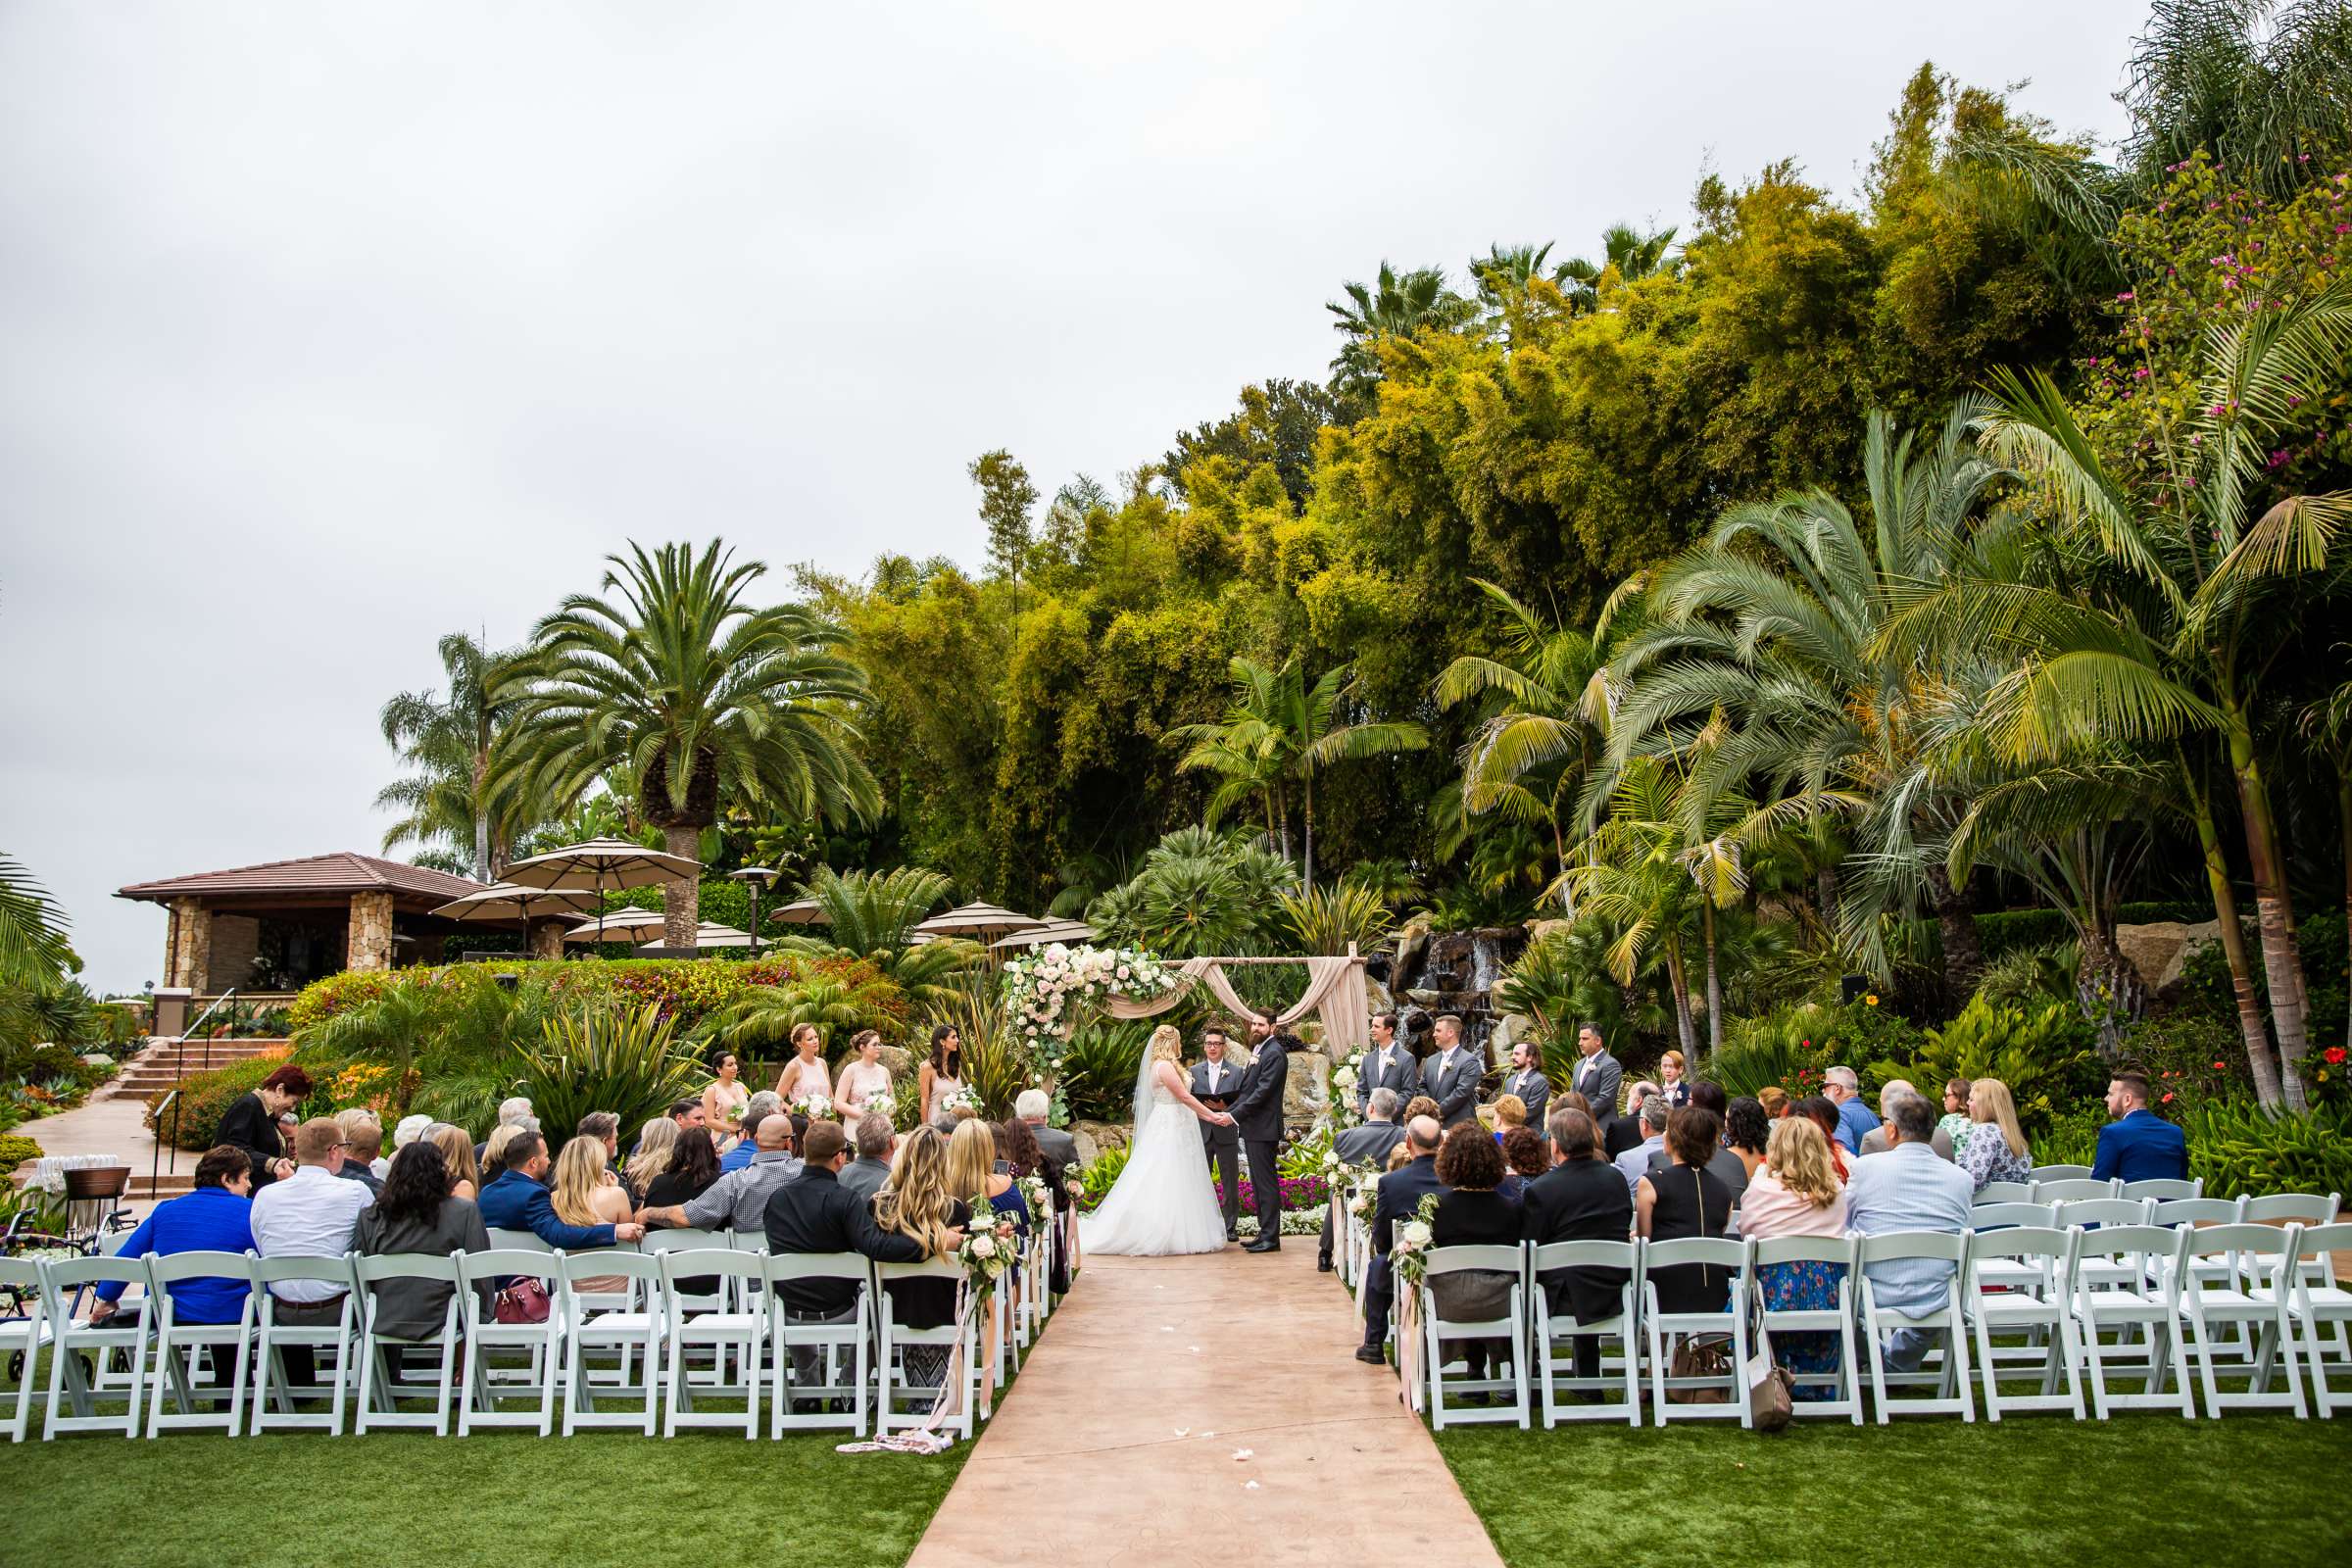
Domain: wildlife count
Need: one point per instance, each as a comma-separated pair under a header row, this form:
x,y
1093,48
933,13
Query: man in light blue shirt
x,y
1854,1120
756,1109
1634,1163
1909,1189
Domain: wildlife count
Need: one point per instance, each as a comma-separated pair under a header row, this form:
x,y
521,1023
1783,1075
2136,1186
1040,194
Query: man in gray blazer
x,y
1451,1075
1216,1083
1054,1143
1597,1077
1528,1082
1367,1145
1386,1064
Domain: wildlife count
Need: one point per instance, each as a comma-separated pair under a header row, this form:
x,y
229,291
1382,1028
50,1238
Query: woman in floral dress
x,y
1996,1151
1796,1192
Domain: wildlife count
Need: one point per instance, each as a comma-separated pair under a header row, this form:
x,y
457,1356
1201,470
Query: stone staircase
x,y
156,1070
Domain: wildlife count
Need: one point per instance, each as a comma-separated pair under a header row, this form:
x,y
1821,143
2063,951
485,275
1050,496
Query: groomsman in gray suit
x,y
1451,1075
1528,1082
1597,1077
1215,1083
1386,1064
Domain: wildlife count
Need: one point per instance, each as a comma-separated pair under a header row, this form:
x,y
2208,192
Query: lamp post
x,y
753,878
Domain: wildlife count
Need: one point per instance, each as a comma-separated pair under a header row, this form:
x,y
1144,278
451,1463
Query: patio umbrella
x,y
507,902
801,912
621,926
1065,931
598,864
977,921
711,934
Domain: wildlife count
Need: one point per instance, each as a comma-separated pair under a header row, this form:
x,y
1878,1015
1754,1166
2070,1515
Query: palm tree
x,y
1626,251
1633,880
1281,729
872,915
1397,304
449,742
698,699
33,950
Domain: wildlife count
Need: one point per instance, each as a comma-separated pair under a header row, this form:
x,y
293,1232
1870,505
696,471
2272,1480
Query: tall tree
x,y
447,742
699,698
1395,305
1007,498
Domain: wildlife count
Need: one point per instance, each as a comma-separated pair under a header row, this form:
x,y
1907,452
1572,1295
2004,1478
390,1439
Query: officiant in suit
x,y
1217,1084
1258,1114
1388,1064
1453,1073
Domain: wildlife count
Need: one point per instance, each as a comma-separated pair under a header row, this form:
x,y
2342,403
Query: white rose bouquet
x,y
1410,1256
816,1107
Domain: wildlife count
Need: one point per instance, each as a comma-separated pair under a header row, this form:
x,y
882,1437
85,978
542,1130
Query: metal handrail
x,y
180,1061
170,1102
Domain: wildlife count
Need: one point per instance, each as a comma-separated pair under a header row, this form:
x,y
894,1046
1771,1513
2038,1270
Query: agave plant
x,y
625,1062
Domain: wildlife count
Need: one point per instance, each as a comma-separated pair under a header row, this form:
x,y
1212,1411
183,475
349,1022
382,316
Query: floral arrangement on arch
x,y
1043,991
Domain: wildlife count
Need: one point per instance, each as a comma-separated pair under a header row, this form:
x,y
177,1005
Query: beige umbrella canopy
x,y
801,912
507,902
711,934
621,926
1072,932
981,920
601,864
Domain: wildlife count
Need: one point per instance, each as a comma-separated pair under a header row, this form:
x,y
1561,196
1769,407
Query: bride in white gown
x,y
1163,1202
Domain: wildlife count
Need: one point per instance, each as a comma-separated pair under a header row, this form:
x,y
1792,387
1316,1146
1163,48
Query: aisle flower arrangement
x,y
989,1250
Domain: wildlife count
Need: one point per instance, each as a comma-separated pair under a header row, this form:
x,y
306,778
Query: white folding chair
x,y
1438,1333
668,1238
2163,1189
2241,1284
542,1344
2019,1281
2309,1211
502,1240
2073,1189
1730,1321
841,1349
628,1325
2009,1273
738,1329
2316,1301
960,1338
2062,1173
1838,1320
2134,1289
2093,1213
1997,1216
2005,1193
1936,1310
329,1344
383,1385
1552,1344
27,1336
171,1337
77,1351
2171,1211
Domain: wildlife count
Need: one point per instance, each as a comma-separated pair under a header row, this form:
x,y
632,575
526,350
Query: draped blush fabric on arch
x,y
1346,1009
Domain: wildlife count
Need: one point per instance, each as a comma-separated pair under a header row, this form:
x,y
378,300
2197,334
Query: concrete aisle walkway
x,y
1116,1446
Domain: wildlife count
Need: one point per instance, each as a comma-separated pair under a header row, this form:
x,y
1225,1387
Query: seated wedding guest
x,y
686,1174
917,1202
1509,1111
1472,1213
494,1151
1745,1132
1629,1131
862,1078
1572,1101
1368,1145
215,1217
738,1199
973,1169
1729,1168
1687,1200
251,1123
518,1200
1581,1199
1998,1152
1055,1143
515,1111
1524,1159
1873,1141
1636,1160
876,1142
1060,1153
1401,1155
763,1105
1670,1086
1821,1112
408,1130
1909,1189
308,1214
1016,1150
1417,1106
1400,1192
2138,1144
656,1141
1797,1194
815,1213
585,1194
456,1150
1954,1124
362,1143
420,1213
1845,1090
605,1128
1775,1101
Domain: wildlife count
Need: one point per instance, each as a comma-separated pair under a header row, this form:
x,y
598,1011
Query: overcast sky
x,y
332,328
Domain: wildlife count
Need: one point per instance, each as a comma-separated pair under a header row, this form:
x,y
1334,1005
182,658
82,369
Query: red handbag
x,y
524,1302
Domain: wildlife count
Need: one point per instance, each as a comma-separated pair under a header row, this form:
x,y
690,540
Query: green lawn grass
x,y
2138,1491
303,1500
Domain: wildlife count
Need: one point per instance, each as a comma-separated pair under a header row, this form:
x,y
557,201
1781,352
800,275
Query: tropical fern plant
x,y
872,915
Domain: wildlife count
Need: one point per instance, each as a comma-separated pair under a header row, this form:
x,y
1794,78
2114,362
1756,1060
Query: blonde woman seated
x,y
1509,1111
862,1078
918,1201
724,1097
586,1194
1796,1192
656,1150
1996,1151
457,1153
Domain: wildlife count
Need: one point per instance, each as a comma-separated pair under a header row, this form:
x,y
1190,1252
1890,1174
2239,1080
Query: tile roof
x,y
343,872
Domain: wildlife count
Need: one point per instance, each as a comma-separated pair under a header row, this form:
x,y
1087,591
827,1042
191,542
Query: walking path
x,y
1117,1446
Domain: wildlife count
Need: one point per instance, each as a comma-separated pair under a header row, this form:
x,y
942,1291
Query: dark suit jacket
x,y
248,1124
1475,1220
1620,1135
1534,1089
1454,1088
1401,1193
815,1213
1394,1068
1057,1144
2142,1147
1369,1144
516,1202
1258,1113
1578,1200
412,1310
1599,1078
1229,1089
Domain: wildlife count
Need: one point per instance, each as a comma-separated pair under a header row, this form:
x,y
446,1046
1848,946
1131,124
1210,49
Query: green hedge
x,y
15,1151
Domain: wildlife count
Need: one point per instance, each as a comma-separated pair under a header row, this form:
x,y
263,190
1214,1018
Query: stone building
x,y
276,927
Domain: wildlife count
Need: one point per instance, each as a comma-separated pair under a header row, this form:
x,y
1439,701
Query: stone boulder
x,y
2160,952
1094,1137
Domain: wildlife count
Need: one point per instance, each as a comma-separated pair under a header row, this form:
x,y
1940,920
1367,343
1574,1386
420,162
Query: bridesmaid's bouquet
x,y
816,1107
883,1106
959,1102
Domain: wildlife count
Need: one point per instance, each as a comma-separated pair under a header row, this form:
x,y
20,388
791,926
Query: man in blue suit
x,y
2138,1144
518,1200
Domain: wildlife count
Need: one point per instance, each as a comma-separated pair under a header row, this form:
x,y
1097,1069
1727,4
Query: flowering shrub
x,y
1298,1192
1043,992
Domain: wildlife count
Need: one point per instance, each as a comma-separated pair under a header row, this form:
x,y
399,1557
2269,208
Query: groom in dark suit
x,y
1257,1113
1216,1083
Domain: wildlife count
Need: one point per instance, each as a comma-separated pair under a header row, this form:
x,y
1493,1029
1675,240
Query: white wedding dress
x,y
1163,1203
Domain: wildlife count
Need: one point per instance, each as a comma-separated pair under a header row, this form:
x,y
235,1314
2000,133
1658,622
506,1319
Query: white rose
x,y
1414,1234
984,1247
1123,972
